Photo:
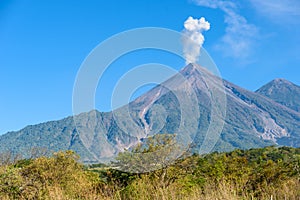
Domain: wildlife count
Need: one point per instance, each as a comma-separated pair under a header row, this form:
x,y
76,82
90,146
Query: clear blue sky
x,y
43,43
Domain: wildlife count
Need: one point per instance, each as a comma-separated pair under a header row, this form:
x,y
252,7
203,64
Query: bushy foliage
x,y
265,173
46,177
240,174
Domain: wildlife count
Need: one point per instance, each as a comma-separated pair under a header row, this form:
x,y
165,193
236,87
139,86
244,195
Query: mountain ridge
x,y
252,120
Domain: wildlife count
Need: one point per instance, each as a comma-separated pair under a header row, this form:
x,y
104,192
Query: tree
x,y
154,153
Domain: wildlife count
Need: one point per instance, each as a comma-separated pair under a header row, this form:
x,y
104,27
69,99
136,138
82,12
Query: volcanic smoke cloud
x,y
193,38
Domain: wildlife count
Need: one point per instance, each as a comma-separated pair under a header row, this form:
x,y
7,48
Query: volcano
x,y
207,112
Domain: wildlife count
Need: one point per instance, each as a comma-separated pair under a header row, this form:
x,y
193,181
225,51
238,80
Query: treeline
x,y
266,173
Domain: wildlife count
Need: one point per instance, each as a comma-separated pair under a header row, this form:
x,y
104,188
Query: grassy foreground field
x,y
267,173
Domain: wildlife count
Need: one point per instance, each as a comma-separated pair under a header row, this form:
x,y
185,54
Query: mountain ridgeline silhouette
x,y
205,112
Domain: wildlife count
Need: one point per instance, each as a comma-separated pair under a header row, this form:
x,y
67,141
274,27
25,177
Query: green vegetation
x,y
240,174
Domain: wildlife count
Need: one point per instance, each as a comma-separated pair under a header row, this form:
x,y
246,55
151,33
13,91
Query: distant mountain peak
x,y
283,92
275,84
281,81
